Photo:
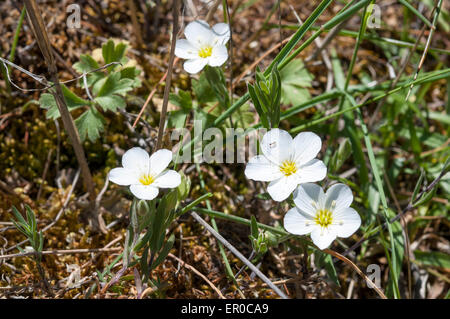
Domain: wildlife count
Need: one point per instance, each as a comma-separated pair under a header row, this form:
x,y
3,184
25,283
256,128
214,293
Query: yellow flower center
x,y
205,52
288,168
324,218
146,179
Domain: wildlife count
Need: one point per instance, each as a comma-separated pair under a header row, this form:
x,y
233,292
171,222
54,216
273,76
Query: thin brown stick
x,y
184,264
353,265
39,30
135,23
162,120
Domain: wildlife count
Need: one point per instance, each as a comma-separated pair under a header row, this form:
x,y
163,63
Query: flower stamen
x,y
146,179
324,218
205,52
288,168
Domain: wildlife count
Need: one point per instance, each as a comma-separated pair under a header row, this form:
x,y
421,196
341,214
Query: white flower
x,y
203,45
325,216
287,162
144,173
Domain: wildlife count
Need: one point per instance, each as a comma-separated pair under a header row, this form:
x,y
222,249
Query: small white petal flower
x,y
287,162
145,174
323,215
203,45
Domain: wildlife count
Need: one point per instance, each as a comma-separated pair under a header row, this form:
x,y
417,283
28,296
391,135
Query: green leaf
x,y
295,79
177,119
415,143
31,218
164,252
266,95
90,124
264,196
183,99
47,101
113,53
216,80
254,227
115,85
396,268
426,197
206,118
418,186
323,260
108,51
262,115
131,73
86,64
18,215
111,102
202,90
184,188
343,153
433,258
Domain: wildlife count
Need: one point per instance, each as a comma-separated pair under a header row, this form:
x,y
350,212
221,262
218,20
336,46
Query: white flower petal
x,y
259,168
159,161
221,33
346,222
199,33
218,56
307,197
123,176
298,223
168,179
194,66
185,50
281,188
145,192
277,145
136,159
323,238
313,171
306,147
342,196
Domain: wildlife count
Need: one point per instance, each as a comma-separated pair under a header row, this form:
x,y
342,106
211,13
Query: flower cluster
x,y
290,165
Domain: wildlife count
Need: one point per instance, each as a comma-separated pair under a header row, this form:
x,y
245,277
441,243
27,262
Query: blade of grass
x,y
370,37
349,128
342,16
14,45
417,13
391,259
427,45
430,77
